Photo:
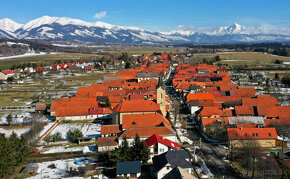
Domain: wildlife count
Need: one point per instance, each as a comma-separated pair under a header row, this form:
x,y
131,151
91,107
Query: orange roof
x,y
72,111
143,120
110,129
252,133
147,131
199,96
137,106
246,92
209,111
244,110
277,111
223,121
107,141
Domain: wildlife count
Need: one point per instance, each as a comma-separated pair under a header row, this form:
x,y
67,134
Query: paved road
x,y
212,154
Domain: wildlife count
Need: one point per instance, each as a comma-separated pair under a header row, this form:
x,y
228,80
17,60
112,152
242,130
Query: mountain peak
x,y
9,25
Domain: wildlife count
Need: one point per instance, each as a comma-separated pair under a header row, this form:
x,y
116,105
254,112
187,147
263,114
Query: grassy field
x,y
13,98
240,58
42,59
144,50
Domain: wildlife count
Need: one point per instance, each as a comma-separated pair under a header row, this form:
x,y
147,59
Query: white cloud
x,y
100,15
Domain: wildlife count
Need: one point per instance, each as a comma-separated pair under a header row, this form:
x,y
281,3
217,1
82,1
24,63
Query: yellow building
x,y
262,137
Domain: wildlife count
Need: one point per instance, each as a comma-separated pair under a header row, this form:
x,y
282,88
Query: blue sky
x,y
156,15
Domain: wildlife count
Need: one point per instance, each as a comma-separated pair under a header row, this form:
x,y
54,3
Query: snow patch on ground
x,y
88,129
45,128
19,131
27,55
60,149
59,172
185,139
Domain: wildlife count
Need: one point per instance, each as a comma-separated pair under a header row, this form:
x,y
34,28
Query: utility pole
x,y
282,143
200,143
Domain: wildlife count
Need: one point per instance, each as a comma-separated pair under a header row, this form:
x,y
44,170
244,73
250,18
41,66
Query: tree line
x,y
13,151
139,151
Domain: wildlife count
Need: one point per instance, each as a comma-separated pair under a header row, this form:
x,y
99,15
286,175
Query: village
x,y
160,119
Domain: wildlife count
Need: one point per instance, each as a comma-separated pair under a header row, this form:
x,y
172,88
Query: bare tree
x,y
248,154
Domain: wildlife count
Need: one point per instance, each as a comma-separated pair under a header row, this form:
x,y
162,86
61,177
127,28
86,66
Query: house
x,y
145,132
198,100
164,163
107,143
178,173
246,121
147,76
240,137
89,68
129,169
40,108
3,76
110,130
158,145
133,107
8,73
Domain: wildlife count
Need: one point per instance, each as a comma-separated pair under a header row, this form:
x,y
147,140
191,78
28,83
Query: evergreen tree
x,y
9,119
217,58
74,134
57,137
140,150
277,76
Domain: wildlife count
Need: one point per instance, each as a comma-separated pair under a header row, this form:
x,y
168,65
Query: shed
x,y
131,169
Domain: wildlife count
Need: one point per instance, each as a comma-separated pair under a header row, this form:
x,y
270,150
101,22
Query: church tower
x,y
161,98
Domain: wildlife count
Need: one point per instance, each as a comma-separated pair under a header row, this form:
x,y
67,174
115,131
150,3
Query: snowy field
x,y
88,129
62,166
18,131
45,128
18,117
27,55
60,149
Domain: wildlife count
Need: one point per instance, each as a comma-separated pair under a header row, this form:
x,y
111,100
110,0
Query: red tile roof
x,y
223,121
110,129
244,110
143,120
252,133
147,131
107,141
137,106
199,96
246,92
152,140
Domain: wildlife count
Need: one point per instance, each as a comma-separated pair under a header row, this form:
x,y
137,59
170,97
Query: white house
x,y
164,163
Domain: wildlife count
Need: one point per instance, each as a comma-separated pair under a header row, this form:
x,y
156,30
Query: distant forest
x,y
281,49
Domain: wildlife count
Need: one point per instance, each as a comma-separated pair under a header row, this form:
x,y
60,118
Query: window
x,y
270,134
246,134
253,134
256,134
161,150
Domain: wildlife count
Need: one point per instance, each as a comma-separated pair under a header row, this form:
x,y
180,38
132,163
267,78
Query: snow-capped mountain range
x,y
68,29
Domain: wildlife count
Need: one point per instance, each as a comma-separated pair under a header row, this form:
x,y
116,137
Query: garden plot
x,y
67,148
55,169
88,129
60,149
17,130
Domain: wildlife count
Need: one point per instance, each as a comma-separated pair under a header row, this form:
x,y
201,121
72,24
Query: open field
x,y
240,58
42,59
144,50
18,95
